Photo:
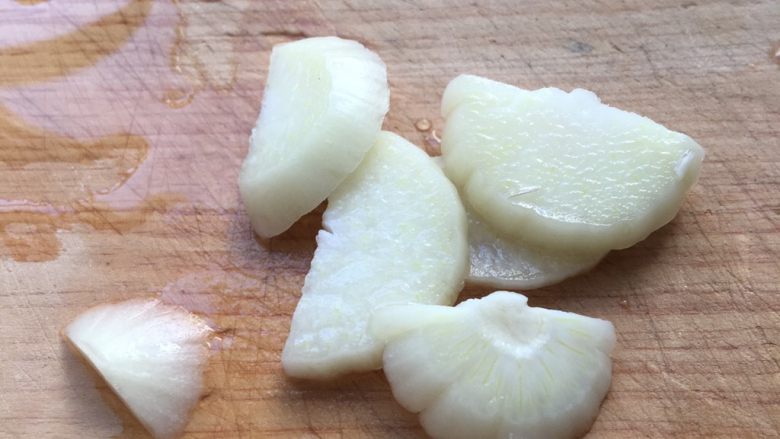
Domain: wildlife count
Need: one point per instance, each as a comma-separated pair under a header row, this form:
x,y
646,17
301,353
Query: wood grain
x,y
696,305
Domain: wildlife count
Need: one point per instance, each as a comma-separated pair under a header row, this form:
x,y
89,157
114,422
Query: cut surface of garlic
x,y
508,262
152,356
393,232
495,367
563,169
323,106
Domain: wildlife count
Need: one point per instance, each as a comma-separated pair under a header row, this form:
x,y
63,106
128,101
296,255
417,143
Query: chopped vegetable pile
x,y
551,182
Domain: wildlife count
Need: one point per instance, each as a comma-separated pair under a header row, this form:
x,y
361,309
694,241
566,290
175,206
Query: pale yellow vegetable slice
x,y
562,169
393,232
507,262
323,106
496,368
152,356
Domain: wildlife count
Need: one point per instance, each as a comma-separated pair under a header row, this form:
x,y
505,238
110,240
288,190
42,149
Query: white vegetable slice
x,y
496,368
323,106
563,169
394,232
151,354
507,262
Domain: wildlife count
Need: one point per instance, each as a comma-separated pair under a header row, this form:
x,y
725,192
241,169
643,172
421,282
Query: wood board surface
x,y
123,125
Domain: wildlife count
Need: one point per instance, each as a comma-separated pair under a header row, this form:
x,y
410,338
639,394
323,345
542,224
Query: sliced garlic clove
x,y
152,356
393,232
496,368
323,106
562,169
508,262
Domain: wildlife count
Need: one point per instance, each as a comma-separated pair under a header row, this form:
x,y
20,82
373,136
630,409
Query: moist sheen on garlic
x,y
323,106
496,368
152,355
508,262
563,169
393,232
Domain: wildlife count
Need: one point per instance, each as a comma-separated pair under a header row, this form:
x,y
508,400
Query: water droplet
x,y
433,144
65,167
775,53
423,124
178,98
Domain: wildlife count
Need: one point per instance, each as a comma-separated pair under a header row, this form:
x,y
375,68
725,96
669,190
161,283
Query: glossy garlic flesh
x,y
508,262
496,368
562,169
323,106
152,356
393,232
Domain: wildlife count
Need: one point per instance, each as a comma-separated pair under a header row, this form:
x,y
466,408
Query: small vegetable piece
x,y
323,106
506,262
496,368
394,232
562,169
151,354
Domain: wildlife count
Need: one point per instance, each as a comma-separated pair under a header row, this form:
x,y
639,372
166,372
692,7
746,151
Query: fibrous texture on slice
x,y
151,354
562,169
323,106
496,368
394,232
509,262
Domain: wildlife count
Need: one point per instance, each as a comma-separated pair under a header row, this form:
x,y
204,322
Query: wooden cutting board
x,y
123,124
